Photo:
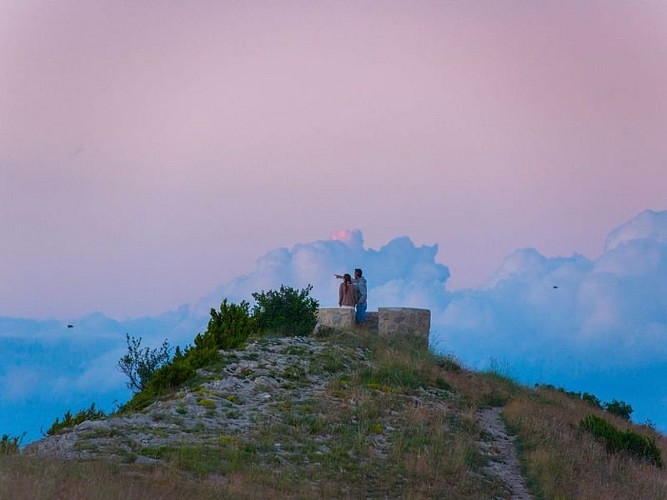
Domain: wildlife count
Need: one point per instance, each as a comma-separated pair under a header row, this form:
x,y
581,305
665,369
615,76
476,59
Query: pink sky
x,y
150,151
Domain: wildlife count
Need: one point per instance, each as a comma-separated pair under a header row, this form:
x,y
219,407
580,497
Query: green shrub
x,y
287,312
207,403
591,399
10,445
140,364
630,442
172,375
179,370
70,420
228,328
619,408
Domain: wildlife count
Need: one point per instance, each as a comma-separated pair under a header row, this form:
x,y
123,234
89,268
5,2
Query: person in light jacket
x,y
347,292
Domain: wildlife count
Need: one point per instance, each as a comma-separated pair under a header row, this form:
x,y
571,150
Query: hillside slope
x,y
349,415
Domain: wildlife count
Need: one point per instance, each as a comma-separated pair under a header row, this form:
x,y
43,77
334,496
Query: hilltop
x,y
349,414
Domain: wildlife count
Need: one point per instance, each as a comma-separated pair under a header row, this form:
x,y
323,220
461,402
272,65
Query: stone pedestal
x,y
340,318
406,321
387,321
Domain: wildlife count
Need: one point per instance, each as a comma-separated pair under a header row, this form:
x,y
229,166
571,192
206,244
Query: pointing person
x,y
362,294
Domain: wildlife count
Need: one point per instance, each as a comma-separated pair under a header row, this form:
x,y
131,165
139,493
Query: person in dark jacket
x,y
362,296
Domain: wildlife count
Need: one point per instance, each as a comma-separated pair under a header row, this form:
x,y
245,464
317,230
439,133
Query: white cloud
x,y
17,381
398,273
613,309
101,374
647,226
573,319
595,325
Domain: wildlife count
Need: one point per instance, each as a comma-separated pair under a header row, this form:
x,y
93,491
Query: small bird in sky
x,y
70,326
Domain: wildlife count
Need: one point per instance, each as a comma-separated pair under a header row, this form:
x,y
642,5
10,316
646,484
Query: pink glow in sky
x,y
150,151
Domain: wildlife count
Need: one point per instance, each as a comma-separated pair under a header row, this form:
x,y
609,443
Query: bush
x,y
173,374
228,328
619,408
70,420
630,442
140,364
10,445
287,312
591,399
152,373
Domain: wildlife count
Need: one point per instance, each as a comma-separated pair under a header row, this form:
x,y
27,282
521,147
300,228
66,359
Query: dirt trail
x,y
504,462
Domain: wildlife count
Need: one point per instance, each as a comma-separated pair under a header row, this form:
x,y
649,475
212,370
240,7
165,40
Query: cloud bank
x,y
48,368
598,325
399,273
610,312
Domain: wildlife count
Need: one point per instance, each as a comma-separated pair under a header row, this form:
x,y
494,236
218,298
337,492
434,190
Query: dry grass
x,y
562,461
23,477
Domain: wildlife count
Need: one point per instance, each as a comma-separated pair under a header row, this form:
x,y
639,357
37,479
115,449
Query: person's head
x,y
357,273
347,278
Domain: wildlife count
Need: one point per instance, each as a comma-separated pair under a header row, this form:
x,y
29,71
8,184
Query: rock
x,y
253,381
406,321
336,317
92,425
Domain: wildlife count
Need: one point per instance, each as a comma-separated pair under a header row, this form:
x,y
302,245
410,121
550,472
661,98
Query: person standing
x,y
347,292
362,296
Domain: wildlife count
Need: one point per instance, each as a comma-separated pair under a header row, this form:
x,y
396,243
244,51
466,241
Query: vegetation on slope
x,y
563,459
285,312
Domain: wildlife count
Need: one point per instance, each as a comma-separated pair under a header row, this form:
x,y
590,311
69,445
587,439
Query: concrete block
x,y
407,321
336,317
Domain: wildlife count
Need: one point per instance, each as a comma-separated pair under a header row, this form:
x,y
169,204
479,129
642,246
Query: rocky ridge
x,y
255,388
249,387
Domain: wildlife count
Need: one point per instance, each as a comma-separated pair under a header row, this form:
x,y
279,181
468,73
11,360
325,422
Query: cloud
x,y
399,273
574,321
608,312
17,381
598,325
48,368
101,374
647,226
352,238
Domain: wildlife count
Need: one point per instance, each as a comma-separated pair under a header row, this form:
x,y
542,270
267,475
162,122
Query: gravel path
x,y
504,462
